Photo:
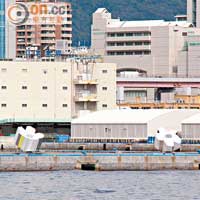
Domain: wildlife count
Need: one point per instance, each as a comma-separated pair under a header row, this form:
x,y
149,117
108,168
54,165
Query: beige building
x,y
188,58
55,90
152,47
193,12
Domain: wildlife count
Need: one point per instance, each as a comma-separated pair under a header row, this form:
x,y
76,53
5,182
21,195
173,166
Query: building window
x,y
45,71
24,87
65,87
111,53
147,33
104,105
104,71
129,34
129,43
111,34
184,34
24,105
65,70
3,70
65,105
147,43
44,105
129,53
45,88
3,87
147,52
104,88
107,130
120,53
138,43
25,70
120,43
3,105
138,52
120,34
111,44
138,34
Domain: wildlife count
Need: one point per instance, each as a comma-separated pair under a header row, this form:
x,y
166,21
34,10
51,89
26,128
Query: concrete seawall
x,y
99,161
141,147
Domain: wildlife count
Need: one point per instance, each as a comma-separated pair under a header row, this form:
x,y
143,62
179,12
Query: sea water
x,y
86,185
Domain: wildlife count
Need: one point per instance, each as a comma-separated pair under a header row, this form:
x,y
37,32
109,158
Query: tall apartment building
x,y
49,91
7,32
193,12
46,31
148,46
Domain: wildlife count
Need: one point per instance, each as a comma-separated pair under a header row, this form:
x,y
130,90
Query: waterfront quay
x,y
101,161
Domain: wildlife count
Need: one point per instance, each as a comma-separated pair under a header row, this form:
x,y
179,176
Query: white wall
x,y
36,75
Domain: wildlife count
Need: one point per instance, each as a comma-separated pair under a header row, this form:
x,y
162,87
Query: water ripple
x,y
78,185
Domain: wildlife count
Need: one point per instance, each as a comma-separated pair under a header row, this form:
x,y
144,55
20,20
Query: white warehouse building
x,y
191,128
127,124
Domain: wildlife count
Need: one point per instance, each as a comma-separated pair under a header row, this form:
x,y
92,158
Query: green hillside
x,y
125,9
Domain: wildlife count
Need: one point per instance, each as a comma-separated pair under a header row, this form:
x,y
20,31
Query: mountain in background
x,y
124,9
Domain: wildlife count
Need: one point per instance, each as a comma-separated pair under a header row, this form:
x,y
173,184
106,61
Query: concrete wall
x,y
102,162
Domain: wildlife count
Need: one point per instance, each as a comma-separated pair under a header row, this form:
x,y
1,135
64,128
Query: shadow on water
x,y
103,191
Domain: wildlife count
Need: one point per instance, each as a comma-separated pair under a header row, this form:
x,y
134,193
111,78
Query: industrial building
x,y
191,128
55,91
126,124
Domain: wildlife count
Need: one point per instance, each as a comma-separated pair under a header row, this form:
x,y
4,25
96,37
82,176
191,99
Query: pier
x,y
103,161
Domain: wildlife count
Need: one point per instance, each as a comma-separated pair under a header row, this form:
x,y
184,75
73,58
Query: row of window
x,y
135,94
129,34
137,43
121,53
4,105
45,71
4,87
25,70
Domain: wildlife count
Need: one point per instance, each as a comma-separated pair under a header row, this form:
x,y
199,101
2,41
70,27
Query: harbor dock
x,y
101,161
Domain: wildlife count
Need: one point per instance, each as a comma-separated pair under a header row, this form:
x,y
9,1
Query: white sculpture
x,y
27,139
167,140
